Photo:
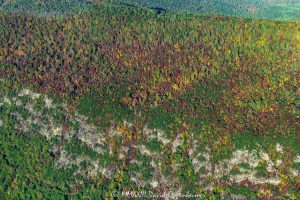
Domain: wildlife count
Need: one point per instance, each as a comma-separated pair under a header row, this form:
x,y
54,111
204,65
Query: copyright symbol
x,y
114,193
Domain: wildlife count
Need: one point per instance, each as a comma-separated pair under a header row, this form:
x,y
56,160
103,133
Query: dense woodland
x,y
216,76
249,67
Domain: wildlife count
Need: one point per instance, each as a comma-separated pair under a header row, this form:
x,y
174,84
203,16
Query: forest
x,y
98,97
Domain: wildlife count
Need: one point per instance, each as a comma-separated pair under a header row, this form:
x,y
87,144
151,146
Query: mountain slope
x,y
49,7
77,153
116,98
282,10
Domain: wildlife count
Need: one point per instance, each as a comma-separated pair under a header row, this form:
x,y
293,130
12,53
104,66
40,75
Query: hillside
x,y
266,9
48,8
110,98
259,9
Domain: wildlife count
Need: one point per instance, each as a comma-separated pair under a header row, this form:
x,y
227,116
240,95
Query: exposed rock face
x,y
38,114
